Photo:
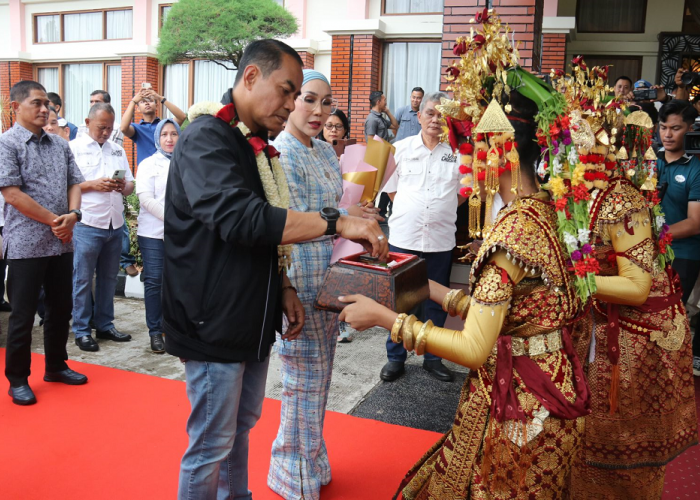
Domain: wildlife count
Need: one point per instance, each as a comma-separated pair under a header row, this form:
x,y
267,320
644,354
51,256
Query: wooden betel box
x,y
400,284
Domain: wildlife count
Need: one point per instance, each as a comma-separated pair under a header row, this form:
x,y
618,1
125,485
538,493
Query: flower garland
x,y
270,171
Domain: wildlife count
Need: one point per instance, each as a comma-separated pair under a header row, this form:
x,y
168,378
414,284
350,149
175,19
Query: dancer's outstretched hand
x,y
363,313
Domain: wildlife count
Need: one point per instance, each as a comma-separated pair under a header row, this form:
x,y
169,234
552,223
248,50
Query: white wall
x,y
4,26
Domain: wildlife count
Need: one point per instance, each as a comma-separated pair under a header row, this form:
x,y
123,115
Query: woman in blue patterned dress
x,y
299,464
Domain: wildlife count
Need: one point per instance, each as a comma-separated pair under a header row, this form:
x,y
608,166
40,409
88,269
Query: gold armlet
x,y
407,332
396,328
422,338
449,303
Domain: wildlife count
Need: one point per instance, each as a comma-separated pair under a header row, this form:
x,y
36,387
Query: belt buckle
x,y
554,341
518,346
537,345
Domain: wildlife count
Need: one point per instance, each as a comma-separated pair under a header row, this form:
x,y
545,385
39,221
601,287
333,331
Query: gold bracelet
x,y
446,301
422,338
452,310
396,328
407,332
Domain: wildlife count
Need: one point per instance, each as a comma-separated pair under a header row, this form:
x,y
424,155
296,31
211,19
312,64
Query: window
x,y
195,81
48,77
630,66
611,16
164,11
114,87
116,24
408,65
412,6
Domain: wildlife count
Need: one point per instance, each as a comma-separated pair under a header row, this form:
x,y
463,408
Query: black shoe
x,y
113,334
87,343
391,371
5,306
22,395
438,370
157,344
66,376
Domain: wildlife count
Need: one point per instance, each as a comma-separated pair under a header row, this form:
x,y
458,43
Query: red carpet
x,y
121,436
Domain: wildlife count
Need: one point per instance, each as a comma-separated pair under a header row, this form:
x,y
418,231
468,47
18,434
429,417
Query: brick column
x,y
12,72
135,71
523,16
355,72
308,58
553,52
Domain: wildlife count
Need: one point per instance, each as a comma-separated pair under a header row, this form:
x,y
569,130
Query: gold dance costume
x,y
637,342
519,421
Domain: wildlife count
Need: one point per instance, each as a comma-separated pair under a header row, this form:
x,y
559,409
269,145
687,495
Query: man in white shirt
x,y
98,237
425,192
102,96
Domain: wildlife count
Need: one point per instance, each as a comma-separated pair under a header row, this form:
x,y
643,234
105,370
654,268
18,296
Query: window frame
x,y
579,5
613,58
160,15
190,78
62,36
385,13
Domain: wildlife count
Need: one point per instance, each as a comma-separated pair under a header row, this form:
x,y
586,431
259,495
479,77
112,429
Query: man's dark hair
x,y
267,55
105,95
374,97
625,78
21,90
100,106
678,107
418,89
55,99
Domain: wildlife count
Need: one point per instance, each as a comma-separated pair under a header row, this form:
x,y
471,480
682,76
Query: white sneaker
x,y
696,366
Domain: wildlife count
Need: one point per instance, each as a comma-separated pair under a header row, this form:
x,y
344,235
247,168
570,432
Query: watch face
x,y
330,213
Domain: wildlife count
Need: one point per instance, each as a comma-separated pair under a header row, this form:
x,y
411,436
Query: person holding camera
x,y
679,183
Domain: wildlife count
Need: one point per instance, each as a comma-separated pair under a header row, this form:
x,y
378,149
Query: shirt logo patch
x,y
449,157
680,178
117,152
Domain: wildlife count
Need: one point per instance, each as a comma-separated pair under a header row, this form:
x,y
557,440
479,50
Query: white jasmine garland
x,y
570,240
660,221
572,157
203,108
584,236
556,166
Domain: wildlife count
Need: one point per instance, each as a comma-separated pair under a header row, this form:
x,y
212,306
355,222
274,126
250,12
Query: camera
x,y
644,94
691,143
690,79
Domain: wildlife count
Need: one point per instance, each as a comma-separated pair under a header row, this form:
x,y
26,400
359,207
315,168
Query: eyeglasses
x,y
310,101
338,127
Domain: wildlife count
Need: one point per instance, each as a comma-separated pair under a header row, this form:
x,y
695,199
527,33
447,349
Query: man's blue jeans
x,y
96,251
152,252
439,268
226,400
126,258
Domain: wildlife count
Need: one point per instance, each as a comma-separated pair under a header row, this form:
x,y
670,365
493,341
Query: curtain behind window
x,y
48,77
413,6
611,16
114,87
79,80
119,23
176,87
409,65
86,26
48,29
212,80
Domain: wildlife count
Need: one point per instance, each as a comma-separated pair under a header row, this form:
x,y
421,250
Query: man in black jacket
x,y
223,296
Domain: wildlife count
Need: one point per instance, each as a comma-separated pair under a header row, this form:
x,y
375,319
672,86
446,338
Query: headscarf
x,y
159,128
310,74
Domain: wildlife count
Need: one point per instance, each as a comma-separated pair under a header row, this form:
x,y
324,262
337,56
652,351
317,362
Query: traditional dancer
x,y
518,425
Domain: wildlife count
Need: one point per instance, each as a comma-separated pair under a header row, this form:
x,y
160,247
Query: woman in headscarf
x,y
151,179
299,464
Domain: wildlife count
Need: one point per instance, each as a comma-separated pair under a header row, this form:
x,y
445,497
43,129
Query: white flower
x,y
660,221
203,108
556,166
570,240
572,157
584,236
541,169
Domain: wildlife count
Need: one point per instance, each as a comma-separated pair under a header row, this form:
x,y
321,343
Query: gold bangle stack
x,y
407,332
422,338
396,328
451,300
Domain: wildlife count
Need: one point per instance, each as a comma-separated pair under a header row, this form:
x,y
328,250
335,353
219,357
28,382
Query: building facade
x,y
77,46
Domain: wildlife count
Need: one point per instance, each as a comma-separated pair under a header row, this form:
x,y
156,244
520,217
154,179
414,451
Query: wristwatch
x,y
331,216
162,101
78,213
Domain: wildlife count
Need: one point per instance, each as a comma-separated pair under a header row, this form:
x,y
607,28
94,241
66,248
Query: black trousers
x,y
688,271
24,280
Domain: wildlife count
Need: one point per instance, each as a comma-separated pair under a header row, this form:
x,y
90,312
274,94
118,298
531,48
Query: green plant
x,y
219,30
132,214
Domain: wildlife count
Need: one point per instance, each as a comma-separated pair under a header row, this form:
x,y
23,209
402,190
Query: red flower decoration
x,y
459,48
479,136
466,148
554,130
581,193
464,169
272,152
560,204
465,192
508,145
483,16
258,144
481,176
452,72
481,155
227,114
564,122
578,61
478,41
583,159
457,129
610,165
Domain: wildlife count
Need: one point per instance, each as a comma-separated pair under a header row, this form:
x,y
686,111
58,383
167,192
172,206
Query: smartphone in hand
x,y
119,174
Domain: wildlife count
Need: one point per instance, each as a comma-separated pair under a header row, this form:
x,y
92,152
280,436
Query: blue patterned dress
x,y
299,464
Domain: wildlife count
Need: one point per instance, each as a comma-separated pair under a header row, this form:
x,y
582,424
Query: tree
x,y
220,29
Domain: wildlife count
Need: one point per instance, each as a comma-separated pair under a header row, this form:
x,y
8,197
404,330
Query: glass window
x,y
165,11
85,26
114,87
48,29
79,80
176,83
611,16
408,65
412,6
630,67
48,77
119,24
211,80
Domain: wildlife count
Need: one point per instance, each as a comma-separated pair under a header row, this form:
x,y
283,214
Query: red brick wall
x,y
523,16
365,74
553,52
11,73
308,59
135,71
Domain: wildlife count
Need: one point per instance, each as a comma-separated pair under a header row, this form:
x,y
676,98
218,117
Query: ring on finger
x,y
380,237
